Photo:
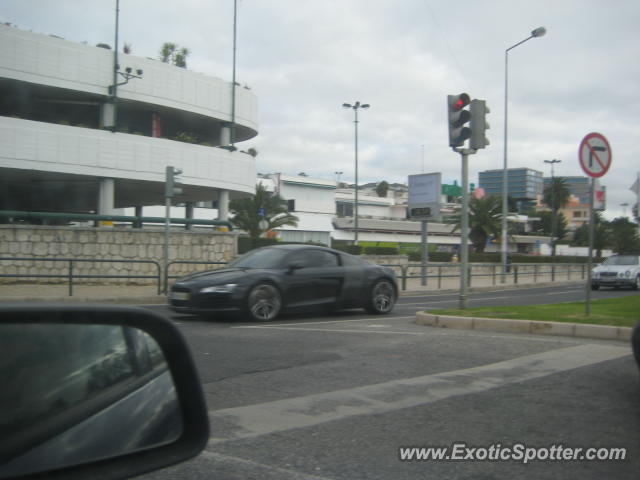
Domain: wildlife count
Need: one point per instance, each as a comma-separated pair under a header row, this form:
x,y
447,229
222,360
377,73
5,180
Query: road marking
x,y
238,465
324,322
300,412
344,330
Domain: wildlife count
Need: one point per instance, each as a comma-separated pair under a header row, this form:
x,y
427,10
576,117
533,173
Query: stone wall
x,y
107,244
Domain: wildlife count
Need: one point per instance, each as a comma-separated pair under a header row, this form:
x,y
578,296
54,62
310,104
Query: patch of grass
x,y
620,312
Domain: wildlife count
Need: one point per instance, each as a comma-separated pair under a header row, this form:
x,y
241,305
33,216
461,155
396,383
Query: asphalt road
x,y
336,397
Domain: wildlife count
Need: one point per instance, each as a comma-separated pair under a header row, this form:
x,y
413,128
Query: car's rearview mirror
x,y
108,388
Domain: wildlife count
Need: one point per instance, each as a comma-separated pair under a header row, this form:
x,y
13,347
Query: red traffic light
x,y
461,102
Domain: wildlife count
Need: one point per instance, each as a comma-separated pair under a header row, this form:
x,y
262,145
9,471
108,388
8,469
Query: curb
x,y
152,300
505,325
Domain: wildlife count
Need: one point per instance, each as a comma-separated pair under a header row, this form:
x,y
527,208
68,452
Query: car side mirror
x,y
95,392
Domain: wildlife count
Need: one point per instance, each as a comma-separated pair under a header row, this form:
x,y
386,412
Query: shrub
x,y
380,251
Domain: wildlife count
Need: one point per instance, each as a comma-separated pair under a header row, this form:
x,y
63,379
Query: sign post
x,y
595,156
424,205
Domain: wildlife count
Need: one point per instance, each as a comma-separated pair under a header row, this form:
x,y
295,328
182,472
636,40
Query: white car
x,y
617,271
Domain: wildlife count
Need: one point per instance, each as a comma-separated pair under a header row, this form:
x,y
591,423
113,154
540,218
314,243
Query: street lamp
x,y
538,32
356,106
337,174
553,210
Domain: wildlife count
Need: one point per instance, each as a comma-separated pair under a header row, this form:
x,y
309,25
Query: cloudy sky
x,y
305,58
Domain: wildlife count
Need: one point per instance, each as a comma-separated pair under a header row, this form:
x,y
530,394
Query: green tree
x,y
170,53
556,194
247,216
382,188
624,236
544,225
485,219
601,234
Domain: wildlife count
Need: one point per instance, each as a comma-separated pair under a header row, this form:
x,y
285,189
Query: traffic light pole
x,y
464,230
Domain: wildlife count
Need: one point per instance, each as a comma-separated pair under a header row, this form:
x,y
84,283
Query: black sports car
x,y
266,281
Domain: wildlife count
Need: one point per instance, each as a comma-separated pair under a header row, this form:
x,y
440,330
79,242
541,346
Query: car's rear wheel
x,y
382,298
264,302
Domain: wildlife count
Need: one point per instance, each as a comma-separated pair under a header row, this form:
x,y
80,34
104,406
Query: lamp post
x,y
356,106
538,32
552,195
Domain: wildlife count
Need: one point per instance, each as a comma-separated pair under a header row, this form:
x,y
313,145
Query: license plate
x,y
180,295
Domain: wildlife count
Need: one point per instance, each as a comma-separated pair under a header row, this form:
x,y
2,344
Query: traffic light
x,y
479,124
458,116
172,185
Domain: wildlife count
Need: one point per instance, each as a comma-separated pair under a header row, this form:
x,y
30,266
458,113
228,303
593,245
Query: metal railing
x,y
188,262
552,271
70,275
133,220
516,272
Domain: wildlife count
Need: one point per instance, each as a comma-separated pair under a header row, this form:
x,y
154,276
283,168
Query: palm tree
x,y
556,195
485,219
247,212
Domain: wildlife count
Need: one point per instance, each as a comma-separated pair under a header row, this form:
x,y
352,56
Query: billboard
x,y
424,196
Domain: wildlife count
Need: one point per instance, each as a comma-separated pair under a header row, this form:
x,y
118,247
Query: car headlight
x,y
627,273
228,288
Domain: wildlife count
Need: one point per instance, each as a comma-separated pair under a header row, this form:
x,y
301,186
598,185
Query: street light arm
x,y
538,32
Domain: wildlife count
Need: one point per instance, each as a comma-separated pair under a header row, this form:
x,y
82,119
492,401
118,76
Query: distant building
x,y
576,211
64,149
578,187
325,210
524,185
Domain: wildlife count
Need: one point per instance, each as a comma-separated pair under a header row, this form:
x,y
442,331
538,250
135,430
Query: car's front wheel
x,y
382,298
264,302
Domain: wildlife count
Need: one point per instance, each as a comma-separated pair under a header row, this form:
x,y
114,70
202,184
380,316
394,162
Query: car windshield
x,y
622,260
262,258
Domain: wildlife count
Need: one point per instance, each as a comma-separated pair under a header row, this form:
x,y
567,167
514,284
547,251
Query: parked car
x,y
264,282
617,271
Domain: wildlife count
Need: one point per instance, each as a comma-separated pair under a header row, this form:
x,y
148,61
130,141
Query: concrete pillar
x,y
225,136
138,213
106,196
188,213
107,115
223,205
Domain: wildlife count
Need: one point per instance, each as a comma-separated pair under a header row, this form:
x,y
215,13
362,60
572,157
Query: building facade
x,y
524,185
86,130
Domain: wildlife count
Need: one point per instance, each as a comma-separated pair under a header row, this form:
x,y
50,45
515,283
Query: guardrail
x,y
71,276
515,271
188,262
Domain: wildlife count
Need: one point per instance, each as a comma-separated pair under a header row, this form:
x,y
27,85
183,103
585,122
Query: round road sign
x,y
595,155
